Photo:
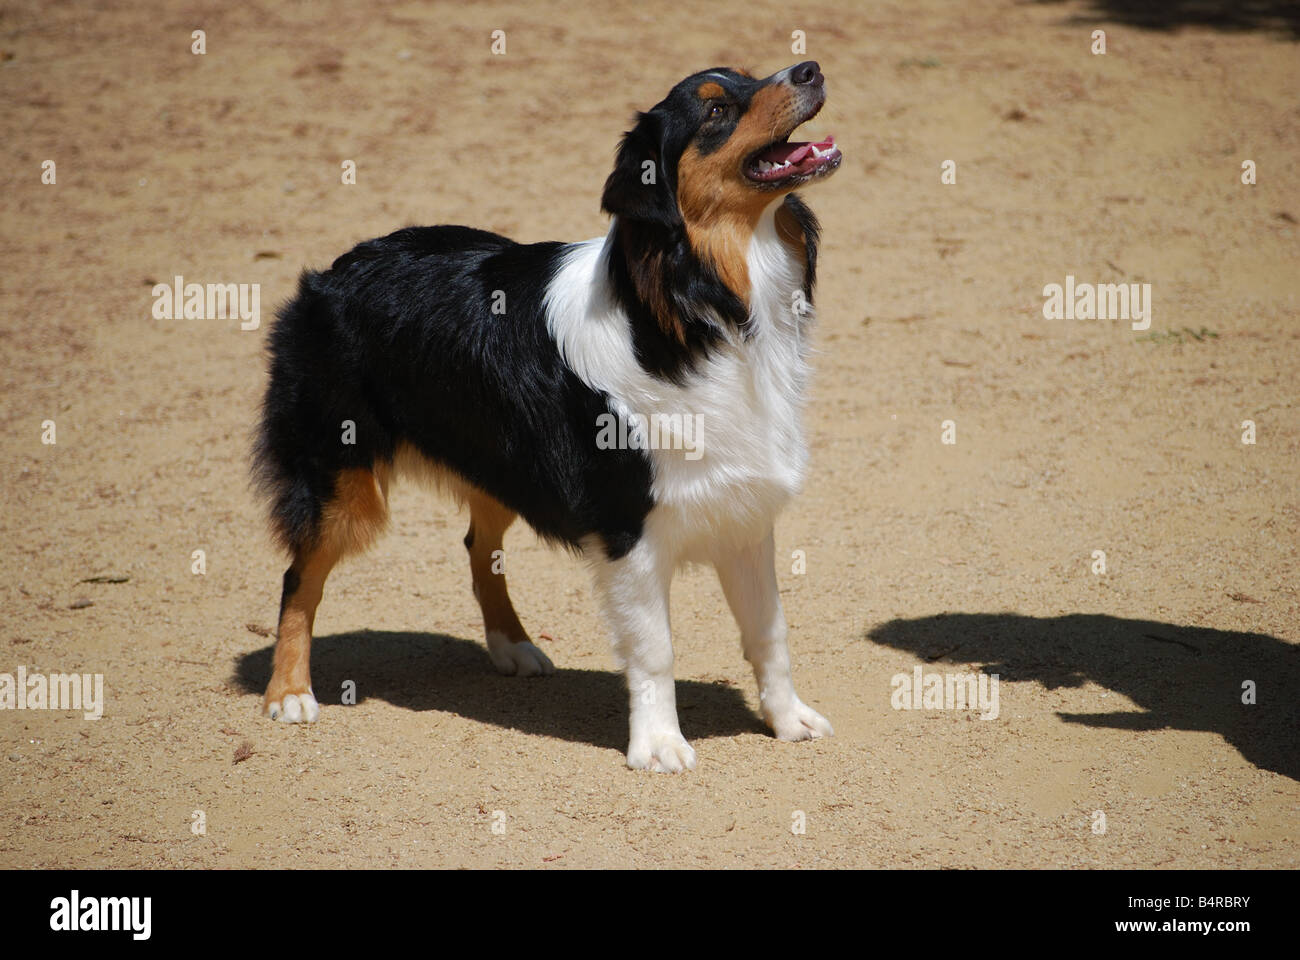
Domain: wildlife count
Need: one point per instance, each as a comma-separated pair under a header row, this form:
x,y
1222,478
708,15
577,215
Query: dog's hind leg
x,y
511,651
289,696
349,523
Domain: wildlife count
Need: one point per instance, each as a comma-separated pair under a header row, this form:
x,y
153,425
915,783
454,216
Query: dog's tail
x,y
320,456
284,465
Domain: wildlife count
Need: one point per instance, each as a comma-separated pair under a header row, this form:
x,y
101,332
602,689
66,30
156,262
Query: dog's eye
x,y
716,111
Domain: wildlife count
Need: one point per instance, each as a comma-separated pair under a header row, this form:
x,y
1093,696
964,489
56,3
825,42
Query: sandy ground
x,y
1120,693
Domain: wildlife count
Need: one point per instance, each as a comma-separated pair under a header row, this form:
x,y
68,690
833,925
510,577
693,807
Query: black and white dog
x,y
636,398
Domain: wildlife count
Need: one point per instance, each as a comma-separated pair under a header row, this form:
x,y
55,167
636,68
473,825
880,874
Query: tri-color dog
x,y
495,370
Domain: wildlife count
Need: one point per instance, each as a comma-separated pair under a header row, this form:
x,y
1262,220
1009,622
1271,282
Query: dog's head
x,y
718,148
691,182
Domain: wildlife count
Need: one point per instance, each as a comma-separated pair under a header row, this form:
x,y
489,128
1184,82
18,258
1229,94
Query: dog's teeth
x,y
816,152
764,166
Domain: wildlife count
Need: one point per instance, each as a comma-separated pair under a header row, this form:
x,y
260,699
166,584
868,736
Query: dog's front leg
x,y
633,594
748,578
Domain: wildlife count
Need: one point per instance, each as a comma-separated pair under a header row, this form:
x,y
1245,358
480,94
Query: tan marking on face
x,y
720,205
709,91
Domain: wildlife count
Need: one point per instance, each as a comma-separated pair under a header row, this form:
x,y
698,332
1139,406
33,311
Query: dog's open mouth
x,y
784,161
781,161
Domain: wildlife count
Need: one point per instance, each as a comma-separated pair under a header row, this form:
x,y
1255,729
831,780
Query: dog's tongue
x,y
794,152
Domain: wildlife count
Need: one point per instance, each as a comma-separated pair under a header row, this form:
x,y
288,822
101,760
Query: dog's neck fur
x,y
680,301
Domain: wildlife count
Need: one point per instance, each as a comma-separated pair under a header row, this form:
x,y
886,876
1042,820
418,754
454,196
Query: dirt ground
x,y
1120,692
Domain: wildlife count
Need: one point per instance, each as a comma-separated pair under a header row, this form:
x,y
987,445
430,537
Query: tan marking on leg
x,y
410,464
358,511
350,522
488,521
292,665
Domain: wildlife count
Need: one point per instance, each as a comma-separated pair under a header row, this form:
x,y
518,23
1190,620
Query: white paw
x,y
517,659
663,753
799,722
296,708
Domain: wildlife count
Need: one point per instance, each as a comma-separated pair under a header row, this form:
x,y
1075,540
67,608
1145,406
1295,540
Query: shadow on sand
x,y
430,671
1182,678
1231,16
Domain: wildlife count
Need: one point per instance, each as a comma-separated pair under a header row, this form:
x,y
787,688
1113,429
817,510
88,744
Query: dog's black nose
x,y
807,72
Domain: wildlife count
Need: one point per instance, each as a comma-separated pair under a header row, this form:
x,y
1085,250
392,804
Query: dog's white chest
x,y
749,395
726,445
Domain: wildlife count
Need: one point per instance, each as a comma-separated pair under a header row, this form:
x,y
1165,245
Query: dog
x,y
636,398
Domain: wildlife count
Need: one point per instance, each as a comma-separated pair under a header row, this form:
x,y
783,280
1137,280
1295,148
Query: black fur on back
x,y
399,337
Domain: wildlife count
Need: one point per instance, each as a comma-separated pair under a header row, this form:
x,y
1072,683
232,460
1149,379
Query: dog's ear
x,y
639,188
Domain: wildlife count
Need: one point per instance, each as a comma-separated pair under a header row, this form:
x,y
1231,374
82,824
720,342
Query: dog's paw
x,y
662,753
521,659
293,708
800,722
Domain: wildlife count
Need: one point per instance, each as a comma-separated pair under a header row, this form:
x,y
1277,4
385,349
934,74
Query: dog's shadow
x,y
1181,678
433,671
